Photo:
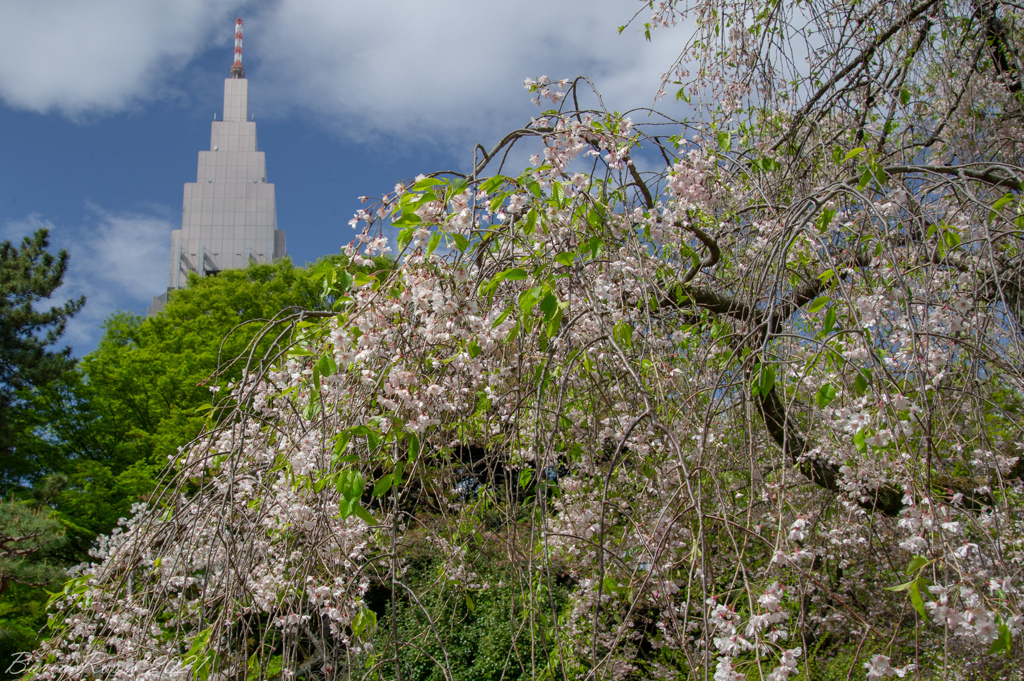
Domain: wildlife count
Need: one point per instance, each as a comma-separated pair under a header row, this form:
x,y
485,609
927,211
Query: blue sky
x,y
105,105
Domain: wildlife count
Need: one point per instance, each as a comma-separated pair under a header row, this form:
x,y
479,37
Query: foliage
x,y
758,405
28,275
22,617
100,435
28,537
25,533
480,633
93,441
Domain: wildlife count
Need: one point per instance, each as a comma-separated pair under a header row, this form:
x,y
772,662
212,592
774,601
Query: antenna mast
x,y
237,70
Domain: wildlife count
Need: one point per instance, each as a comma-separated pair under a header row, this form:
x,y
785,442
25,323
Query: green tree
x,y
93,440
27,532
100,435
28,275
29,536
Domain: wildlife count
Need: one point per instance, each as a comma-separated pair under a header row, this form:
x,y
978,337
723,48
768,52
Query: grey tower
x,y
229,217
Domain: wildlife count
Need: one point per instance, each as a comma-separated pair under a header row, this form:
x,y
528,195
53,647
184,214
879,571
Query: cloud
x,y
445,70
100,56
117,261
16,230
404,70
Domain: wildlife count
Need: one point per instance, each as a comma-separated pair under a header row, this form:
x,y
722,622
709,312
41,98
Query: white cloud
x,y
16,230
401,69
100,56
117,261
446,69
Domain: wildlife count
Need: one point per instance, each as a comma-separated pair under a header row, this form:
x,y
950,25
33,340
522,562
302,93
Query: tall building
x,y
228,217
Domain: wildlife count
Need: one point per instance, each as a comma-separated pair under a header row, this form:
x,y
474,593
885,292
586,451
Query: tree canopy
x,y
93,441
28,275
104,431
737,395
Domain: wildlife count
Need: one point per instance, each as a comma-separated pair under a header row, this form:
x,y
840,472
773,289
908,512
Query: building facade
x,y
229,214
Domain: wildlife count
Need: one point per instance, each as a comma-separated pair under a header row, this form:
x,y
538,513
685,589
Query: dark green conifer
x,y
29,274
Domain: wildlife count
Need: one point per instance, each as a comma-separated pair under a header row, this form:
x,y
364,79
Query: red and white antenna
x,y
237,70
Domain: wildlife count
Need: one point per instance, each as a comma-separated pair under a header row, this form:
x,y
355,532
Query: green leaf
x,y
830,321
611,587
456,187
817,304
470,605
916,564
1002,201
853,153
913,588
825,395
558,192
363,515
493,183
525,476
407,219
916,600
461,242
825,219
548,305
997,205
766,380
902,587
623,334
860,384
1003,641
350,484
326,365
426,183
514,274
433,243
531,222
473,348
404,237
383,485
413,441
502,316
904,96
725,141
199,656
555,324
365,620
497,201
529,298
565,258
865,179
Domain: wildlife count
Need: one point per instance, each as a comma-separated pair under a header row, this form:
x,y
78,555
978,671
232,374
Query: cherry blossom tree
x,y
750,383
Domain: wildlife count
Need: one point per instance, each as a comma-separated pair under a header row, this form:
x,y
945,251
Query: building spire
x,y
237,70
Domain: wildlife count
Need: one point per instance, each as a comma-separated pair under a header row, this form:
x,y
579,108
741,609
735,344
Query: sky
x,y
104,106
